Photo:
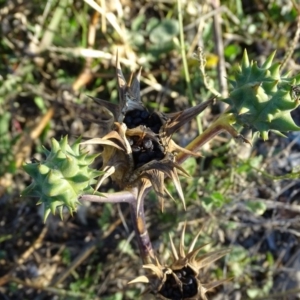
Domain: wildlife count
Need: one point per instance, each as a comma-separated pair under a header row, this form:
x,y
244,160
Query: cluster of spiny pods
x,y
138,153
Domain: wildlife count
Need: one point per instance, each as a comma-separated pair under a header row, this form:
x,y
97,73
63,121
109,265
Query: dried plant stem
x,y
223,123
84,253
280,295
202,63
54,23
119,197
142,235
111,18
294,42
219,49
138,217
57,291
184,61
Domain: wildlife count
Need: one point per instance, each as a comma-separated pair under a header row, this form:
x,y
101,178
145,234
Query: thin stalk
x,y
137,216
53,25
119,197
223,123
294,42
141,232
184,61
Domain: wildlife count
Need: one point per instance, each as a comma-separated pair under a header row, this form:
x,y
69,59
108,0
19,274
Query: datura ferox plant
x,y
139,153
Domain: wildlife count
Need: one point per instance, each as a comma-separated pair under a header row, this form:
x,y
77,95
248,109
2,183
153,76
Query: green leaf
x,y
190,165
39,101
215,200
257,207
164,31
151,23
231,51
137,22
253,293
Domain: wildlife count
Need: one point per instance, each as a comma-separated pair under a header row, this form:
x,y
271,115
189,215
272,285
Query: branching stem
x,y
138,216
119,197
223,123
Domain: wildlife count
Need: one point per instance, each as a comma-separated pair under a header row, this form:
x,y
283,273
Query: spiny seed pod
x,y
138,149
62,177
181,280
262,99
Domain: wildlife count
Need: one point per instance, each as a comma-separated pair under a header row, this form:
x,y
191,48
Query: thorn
x,y
243,139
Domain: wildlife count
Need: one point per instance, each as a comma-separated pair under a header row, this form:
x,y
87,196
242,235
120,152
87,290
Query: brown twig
x,y
119,197
86,252
87,75
219,49
57,291
139,225
23,147
37,244
295,40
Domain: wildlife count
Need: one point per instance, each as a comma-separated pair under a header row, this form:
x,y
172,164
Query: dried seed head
x,y
181,280
138,147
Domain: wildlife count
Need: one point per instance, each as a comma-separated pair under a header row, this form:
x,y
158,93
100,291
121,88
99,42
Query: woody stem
x,y
223,123
137,216
139,225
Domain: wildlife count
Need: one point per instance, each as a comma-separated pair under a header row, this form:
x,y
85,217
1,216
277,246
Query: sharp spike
x,y
46,213
138,75
109,170
169,194
142,279
134,87
120,77
245,60
177,184
181,245
158,272
264,135
174,251
268,63
130,79
143,186
212,285
192,255
60,209
191,248
209,258
180,118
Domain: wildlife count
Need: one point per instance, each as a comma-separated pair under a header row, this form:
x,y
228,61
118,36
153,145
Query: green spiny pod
x,y
62,177
262,98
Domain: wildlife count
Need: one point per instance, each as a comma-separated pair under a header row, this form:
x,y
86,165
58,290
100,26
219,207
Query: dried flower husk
x,y
138,150
181,279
